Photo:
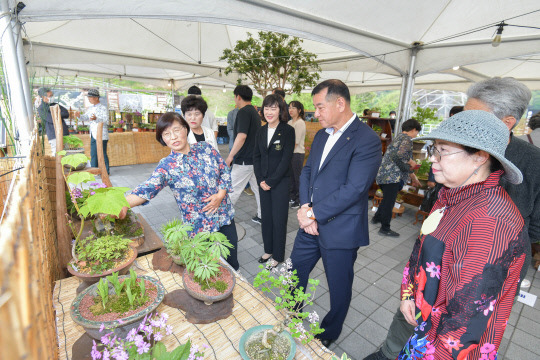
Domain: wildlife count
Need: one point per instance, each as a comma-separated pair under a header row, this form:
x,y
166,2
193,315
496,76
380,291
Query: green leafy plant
x,y
72,142
273,60
129,294
423,170
101,253
84,128
102,200
133,276
426,115
142,287
117,285
282,284
103,291
175,233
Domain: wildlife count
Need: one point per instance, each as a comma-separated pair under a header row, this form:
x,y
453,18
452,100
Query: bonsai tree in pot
x,y
271,341
88,252
117,301
205,279
175,233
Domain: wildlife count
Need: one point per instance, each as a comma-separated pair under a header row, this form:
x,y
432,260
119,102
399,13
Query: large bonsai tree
x,y
273,60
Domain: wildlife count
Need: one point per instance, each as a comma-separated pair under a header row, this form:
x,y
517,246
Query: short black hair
x,y
166,121
335,87
392,112
274,99
194,102
297,104
411,124
194,90
454,110
366,112
494,164
244,92
534,121
279,91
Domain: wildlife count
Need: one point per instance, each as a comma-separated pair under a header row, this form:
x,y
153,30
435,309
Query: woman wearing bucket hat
x,y
459,284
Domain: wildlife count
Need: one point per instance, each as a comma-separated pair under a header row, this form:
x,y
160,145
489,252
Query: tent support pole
x,y
410,86
24,74
18,109
400,106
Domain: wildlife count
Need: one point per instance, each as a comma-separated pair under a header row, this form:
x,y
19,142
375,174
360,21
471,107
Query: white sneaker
x,y
526,284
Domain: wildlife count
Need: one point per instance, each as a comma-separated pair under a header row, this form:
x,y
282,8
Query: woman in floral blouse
x,y
199,179
459,284
396,166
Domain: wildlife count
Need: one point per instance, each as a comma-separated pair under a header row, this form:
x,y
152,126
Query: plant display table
x,y
251,308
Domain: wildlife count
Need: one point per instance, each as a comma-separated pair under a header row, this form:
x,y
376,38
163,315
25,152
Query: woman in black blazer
x,y
271,161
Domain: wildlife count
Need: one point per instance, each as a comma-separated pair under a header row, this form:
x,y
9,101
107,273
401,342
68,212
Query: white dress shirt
x,y
333,138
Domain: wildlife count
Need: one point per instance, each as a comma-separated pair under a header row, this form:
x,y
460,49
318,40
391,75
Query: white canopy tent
x,y
364,43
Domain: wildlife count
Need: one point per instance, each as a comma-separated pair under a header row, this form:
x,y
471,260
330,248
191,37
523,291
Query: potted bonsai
x,y
74,145
119,302
272,341
95,256
175,233
84,129
144,342
205,279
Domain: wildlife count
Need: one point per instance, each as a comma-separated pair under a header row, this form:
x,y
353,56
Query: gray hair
x,y
504,96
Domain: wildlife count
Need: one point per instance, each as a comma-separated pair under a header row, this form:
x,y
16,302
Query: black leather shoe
x,y
263,260
388,233
327,342
376,356
375,221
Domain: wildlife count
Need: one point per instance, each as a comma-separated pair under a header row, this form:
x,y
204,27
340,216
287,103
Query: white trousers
x,y
240,176
53,146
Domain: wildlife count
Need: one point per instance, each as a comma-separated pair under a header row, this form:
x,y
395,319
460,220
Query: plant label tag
x,y
527,298
397,205
421,192
374,208
432,221
383,135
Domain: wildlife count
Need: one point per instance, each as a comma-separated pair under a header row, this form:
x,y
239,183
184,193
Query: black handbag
x,y
430,197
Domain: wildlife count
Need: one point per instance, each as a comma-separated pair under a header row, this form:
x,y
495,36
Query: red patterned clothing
x,y
464,275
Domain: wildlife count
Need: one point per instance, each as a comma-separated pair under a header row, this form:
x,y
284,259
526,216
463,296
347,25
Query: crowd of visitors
x,y
471,254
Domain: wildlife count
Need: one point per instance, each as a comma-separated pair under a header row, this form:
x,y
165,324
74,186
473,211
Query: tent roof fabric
x,y
367,44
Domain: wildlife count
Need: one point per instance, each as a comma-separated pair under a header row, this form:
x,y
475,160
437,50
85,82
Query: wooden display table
x,y
251,308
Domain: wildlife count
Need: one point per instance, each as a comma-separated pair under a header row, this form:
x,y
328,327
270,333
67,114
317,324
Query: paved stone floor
x,y
378,273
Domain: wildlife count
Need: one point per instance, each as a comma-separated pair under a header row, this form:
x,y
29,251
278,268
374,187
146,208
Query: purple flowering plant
x,y
282,283
144,343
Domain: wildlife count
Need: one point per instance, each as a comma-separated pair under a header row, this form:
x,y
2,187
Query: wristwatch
x,y
310,214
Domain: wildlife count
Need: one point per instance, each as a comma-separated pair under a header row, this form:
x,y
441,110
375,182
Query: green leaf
x,y
181,352
111,201
61,152
74,160
159,350
80,177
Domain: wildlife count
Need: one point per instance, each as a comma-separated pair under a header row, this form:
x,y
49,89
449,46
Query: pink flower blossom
x,y
487,348
434,270
143,348
490,307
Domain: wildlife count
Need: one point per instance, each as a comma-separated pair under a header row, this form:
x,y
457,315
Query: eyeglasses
x,y
176,131
433,151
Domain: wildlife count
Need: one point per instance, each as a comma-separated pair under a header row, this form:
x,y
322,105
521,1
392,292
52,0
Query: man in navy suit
x,y
334,185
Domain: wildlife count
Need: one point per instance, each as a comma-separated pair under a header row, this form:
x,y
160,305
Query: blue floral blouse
x,y
192,178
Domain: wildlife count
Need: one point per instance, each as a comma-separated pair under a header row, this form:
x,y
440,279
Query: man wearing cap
x,y
44,111
95,114
507,99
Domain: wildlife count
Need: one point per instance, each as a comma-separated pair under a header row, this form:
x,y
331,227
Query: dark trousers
x,y
93,153
274,215
338,267
297,163
230,232
384,211
399,333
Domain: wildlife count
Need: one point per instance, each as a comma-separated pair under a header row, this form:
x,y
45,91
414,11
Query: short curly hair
x,y
194,102
534,121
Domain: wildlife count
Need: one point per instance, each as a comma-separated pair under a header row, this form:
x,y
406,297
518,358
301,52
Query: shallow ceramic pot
x,y
207,299
256,329
127,323
88,280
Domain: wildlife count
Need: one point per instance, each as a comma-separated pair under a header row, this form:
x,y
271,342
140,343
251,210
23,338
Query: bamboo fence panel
x,y
148,149
28,266
7,165
251,308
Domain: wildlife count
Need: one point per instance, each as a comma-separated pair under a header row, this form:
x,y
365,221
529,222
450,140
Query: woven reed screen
x,y
28,265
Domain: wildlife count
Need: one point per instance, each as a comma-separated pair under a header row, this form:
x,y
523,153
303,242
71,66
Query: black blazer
x,y
272,163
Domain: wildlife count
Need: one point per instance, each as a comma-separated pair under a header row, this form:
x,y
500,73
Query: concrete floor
x,y
378,271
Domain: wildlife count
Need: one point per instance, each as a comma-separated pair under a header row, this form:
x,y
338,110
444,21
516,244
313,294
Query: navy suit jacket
x,y
340,188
